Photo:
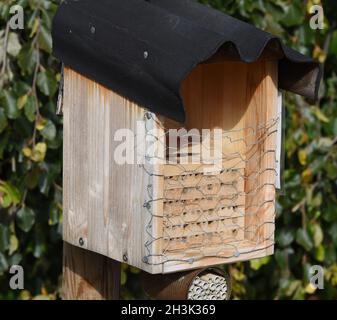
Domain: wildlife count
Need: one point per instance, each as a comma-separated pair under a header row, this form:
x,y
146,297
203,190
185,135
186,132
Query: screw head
x,y
146,54
147,205
148,115
81,242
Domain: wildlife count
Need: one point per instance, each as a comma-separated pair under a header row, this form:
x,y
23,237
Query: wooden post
x,y
89,276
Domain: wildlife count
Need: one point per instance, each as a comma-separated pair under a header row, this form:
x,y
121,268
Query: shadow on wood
x,y
88,275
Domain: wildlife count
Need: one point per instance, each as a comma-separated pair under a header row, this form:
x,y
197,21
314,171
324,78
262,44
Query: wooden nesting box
x,y
183,61
191,217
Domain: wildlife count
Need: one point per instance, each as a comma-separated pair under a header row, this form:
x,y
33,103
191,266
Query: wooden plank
x,y
214,98
270,162
221,205
89,276
230,190
201,179
155,222
104,201
178,169
201,216
249,251
205,227
262,108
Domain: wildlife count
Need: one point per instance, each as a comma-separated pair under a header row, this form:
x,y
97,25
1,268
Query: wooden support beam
x,y
89,276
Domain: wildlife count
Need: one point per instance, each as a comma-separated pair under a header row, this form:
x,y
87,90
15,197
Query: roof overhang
x,y
144,50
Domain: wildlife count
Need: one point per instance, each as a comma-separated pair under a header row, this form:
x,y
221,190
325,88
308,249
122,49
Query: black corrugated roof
x,y
145,49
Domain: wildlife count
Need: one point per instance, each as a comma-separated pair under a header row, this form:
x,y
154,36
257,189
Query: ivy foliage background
x,y
31,159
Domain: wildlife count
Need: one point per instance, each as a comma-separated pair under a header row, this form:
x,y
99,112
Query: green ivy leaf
x,y
282,257
303,239
21,102
4,238
25,218
293,287
30,108
47,83
10,194
330,254
294,15
276,10
16,258
3,120
256,264
317,233
3,264
13,244
124,278
27,59
34,28
45,40
333,233
14,45
49,130
331,170
333,44
32,177
135,270
11,108
40,247
330,212
54,218
4,10
320,253
284,238
320,115
335,125
39,152
325,143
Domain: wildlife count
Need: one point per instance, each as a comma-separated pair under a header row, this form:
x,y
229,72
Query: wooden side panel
x,y
261,109
103,201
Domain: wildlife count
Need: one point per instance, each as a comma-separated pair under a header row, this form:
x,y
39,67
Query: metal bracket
x,y
59,109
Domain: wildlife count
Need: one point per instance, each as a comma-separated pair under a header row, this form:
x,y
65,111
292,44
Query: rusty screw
x,y
81,242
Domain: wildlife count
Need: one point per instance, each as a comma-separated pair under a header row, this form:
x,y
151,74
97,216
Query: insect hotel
x,y
172,131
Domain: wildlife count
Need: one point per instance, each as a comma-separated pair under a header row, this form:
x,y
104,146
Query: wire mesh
x,y
221,206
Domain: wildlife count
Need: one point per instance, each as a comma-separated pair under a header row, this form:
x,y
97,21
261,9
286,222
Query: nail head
x,y
81,242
